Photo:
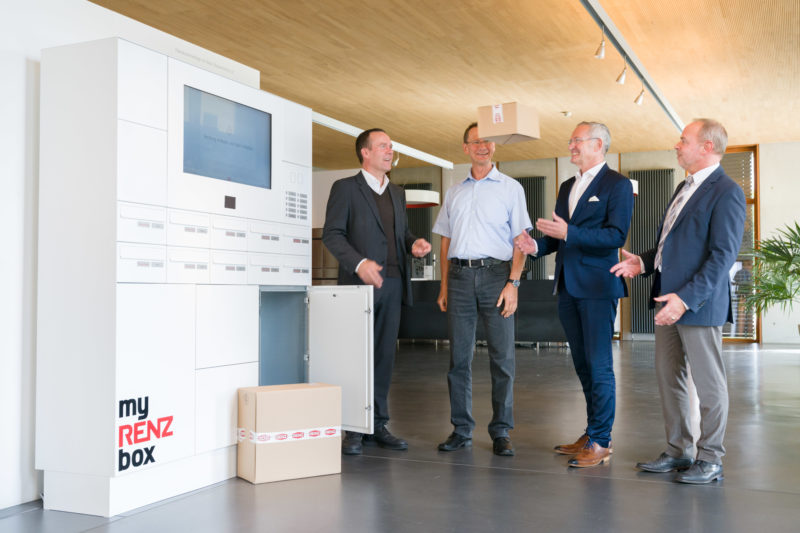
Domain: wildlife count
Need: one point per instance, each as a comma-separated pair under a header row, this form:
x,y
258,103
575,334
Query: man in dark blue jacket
x,y
590,224
698,242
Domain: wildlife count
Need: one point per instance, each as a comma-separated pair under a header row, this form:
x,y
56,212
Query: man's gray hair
x,y
599,131
711,130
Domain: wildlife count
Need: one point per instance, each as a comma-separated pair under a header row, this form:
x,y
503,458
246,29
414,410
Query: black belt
x,y
476,263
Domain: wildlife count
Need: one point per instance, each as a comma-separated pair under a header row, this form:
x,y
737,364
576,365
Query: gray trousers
x,y
679,348
472,293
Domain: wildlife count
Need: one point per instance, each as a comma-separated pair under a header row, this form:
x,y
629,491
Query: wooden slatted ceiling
x,y
420,69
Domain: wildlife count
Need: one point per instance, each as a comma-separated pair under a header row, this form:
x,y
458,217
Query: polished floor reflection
x,y
473,490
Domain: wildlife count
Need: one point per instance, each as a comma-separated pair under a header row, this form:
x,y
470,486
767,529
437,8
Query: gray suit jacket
x,y
353,230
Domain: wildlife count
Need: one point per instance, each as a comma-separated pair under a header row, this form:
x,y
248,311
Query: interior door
x,y
340,346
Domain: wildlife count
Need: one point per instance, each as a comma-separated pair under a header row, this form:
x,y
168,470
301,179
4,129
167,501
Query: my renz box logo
x,y
143,431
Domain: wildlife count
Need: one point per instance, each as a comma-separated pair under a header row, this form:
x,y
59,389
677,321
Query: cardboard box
x,y
508,123
289,431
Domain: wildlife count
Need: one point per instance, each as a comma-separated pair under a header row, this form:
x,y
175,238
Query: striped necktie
x,y
672,214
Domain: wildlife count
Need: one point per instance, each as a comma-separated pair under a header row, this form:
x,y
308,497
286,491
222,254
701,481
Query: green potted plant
x,y
776,271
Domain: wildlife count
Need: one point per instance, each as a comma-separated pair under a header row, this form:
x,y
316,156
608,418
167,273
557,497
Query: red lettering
x,y
165,432
138,432
152,429
125,431
145,431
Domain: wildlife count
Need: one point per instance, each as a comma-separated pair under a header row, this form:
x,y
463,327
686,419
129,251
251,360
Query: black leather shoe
x,y
502,446
384,439
454,442
665,463
700,472
351,444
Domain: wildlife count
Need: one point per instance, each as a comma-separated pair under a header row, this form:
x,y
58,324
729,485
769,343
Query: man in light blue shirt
x,y
478,222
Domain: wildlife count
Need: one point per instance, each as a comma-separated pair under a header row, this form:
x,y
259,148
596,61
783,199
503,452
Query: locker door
x,y
340,348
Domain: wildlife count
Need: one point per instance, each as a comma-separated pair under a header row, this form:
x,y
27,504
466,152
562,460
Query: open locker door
x,y
340,348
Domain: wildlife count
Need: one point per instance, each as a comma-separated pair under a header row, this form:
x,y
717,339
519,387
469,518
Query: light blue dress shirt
x,y
482,217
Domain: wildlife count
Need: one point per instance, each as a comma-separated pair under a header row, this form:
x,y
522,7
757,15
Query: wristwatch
x,y
514,282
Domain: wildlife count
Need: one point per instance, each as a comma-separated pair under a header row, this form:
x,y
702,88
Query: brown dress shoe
x,y
591,455
575,447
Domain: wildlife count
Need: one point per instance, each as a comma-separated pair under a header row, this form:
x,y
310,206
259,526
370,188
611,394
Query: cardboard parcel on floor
x,y
289,431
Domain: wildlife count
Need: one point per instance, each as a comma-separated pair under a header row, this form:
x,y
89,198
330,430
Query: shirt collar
x,y
493,174
374,183
702,174
592,172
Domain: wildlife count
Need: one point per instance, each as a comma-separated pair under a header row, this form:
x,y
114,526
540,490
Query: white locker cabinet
x,y
148,279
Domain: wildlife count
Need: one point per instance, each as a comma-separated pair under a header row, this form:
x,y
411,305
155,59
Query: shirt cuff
x,y
358,265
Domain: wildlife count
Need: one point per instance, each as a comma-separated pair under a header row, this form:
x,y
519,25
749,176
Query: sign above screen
x,y
226,140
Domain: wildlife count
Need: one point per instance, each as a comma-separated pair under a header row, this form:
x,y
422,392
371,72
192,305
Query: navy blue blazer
x,y
597,230
700,250
353,230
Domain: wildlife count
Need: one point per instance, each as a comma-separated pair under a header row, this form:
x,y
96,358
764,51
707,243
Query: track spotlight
x,y
640,98
621,77
601,50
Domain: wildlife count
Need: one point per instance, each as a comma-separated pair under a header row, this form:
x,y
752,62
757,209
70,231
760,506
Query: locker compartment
x,y
141,164
296,241
227,325
228,233
141,223
187,265
228,267
263,237
296,270
188,228
217,403
264,269
141,263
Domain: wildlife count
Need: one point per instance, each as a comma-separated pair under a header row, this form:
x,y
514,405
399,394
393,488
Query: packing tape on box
x,y
276,437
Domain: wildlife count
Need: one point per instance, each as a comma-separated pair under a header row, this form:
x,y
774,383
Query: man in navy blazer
x,y
698,242
590,223
366,229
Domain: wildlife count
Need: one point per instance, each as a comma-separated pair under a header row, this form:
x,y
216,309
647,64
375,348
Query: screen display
x,y
226,140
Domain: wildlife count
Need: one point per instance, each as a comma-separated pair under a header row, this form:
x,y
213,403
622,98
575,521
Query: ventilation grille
x,y
655,190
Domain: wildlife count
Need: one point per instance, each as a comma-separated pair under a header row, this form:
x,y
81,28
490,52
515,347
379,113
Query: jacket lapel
x,y
697,197
588,193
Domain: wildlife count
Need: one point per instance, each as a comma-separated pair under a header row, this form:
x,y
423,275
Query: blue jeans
x,y
473,292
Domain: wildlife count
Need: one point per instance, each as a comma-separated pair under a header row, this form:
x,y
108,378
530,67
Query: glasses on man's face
x,y
578,140
477,142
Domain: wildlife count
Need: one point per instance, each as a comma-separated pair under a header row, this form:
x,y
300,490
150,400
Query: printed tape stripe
x,y
275,437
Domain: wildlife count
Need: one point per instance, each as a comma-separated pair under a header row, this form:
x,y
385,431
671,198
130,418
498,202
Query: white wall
x,y
321,183
25,29
779,181
19,107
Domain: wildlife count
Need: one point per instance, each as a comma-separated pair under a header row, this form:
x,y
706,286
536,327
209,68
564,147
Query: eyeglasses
x,y
478,142
578,140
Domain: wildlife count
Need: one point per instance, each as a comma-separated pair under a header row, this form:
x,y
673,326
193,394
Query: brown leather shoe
x,y
577,446
591,455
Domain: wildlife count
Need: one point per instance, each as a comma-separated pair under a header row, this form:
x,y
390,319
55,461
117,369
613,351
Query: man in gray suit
x,y
697,243
366,229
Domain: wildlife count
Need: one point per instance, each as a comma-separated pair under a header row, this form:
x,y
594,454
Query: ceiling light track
x,y
615,37
343,127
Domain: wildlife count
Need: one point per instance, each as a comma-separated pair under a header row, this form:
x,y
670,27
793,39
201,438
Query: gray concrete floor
x,y
473,490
